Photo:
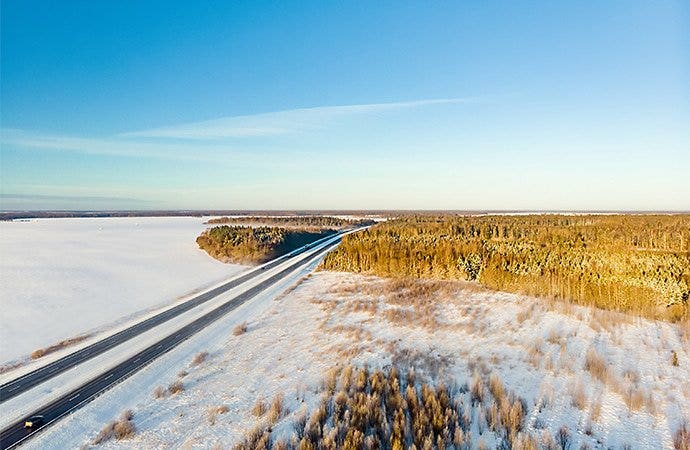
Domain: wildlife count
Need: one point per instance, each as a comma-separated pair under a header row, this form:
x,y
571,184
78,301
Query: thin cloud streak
x,y
279,122
219,136
116,147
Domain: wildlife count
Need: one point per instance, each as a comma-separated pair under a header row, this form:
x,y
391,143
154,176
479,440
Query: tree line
x,y
294,221
634,263
247,245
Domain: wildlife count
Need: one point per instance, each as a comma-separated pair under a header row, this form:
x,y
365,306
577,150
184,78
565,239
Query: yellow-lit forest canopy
x,y
637,263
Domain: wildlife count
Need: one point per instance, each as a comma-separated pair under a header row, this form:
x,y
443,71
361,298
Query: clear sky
x,y
345,105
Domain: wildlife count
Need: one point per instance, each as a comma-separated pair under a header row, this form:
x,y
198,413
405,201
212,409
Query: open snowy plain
x,y
588,378
60,278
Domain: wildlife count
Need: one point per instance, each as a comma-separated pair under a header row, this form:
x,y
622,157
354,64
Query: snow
x,y
537,347
31,401
63,277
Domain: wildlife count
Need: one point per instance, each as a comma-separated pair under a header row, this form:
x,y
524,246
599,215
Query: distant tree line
x,y
247,245
635,263
311,222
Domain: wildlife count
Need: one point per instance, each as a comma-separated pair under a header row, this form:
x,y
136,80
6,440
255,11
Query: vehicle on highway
x,y
34,422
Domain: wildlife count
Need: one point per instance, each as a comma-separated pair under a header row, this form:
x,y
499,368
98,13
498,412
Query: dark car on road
x,y
34,422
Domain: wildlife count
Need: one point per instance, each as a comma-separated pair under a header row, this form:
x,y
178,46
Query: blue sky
x,y
345,105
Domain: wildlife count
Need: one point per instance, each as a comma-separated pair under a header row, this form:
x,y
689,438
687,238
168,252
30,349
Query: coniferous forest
x,y
247,245
631,263
305,222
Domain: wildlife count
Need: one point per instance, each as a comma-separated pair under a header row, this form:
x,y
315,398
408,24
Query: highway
x,y
21,384
16,433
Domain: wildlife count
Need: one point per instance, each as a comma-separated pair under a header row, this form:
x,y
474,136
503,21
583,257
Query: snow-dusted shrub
x,y
578,395
214,411
175,387
159,392
199,358
681,438
596,365
259,408
496,387
122,428
240,329
276,411
477,388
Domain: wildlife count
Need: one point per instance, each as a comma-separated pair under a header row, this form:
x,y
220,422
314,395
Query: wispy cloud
x,y
279,122
108,146
209,140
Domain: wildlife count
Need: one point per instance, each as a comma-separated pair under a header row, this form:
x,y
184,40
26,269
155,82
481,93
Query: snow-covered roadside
x,y
60,278
79,427
538,349
28,402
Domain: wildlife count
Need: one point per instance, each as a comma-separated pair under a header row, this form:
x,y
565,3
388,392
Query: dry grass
x,y
240,329
123,428
175,387
276,410
596,365
159,392
681,438
535,353
607,320
595,408
477,388
10,366
214,411
496,387
259,408
578,395
41,352
199,358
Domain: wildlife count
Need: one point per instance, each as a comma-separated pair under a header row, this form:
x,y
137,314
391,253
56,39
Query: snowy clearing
x,y
610,379
63,277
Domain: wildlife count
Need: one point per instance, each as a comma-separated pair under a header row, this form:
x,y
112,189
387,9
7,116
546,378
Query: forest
x,y
305,222
247,245
631,263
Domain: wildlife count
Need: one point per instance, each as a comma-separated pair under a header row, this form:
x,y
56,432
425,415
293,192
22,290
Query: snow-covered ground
x,y
63,277
539,349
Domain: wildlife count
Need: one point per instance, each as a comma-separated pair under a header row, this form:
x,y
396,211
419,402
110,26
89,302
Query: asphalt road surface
x,y
16,433
44,373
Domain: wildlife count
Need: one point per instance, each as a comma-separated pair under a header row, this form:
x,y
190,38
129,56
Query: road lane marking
x,y
109,376
73,397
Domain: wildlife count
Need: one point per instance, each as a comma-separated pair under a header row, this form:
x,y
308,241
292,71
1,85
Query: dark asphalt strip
x,y
16,433
44,373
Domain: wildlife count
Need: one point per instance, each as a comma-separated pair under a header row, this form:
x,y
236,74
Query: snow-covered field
x,y
545,352
63,277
